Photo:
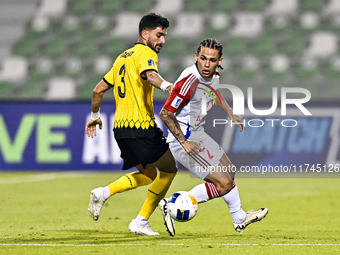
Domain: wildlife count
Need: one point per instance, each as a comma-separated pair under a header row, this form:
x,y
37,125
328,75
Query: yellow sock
x,y
156,192
129,181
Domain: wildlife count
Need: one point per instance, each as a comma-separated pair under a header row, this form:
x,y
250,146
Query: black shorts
x,y
135,151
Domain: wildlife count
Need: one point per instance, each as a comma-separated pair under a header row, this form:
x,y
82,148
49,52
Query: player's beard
x,y
149,44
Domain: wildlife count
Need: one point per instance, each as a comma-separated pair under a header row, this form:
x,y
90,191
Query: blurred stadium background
x,y
59,49
53,53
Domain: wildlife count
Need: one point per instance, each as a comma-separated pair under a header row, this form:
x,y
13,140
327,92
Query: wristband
x,y
95,115
165,85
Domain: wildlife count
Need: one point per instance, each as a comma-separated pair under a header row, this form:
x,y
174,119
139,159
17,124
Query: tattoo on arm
x,y
172,124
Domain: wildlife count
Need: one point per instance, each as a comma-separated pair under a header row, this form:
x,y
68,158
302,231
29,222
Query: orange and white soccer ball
x,y
182,206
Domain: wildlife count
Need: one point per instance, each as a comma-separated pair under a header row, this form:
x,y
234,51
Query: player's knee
x,y
225,186
150,171
171,168
151,175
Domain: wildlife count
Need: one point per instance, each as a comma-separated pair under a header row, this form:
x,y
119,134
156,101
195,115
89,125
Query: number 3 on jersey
x,y
122,72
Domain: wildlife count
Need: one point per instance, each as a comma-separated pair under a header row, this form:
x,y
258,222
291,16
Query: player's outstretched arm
x,y
157,81
97,97
238,120
172,124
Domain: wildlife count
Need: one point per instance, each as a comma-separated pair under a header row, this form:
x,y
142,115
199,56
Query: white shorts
x,y
210,155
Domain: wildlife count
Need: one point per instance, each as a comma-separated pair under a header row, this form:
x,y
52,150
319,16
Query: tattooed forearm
x,y
172,124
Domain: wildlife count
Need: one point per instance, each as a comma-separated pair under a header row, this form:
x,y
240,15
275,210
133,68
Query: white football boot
x,y
96,202
251,217
169,222
143,230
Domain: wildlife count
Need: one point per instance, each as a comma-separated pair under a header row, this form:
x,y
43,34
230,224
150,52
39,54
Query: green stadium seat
x,y
226,6
99,26
102,64
89,84
80,7
26,47
140,5
35,85
85,47
197,5
308,23
33,88
42,70
69,27
331,74
219,35
272,74
249,67
39,27
175,46
73,67
332,69
307,68
312,5
332,24
55,48
234,46
305,73
6,90
294,45
278,25
115,47
217,27
277,69
263,46
255,6
110,7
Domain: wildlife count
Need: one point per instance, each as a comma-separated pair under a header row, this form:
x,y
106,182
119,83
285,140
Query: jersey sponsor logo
x,y
176,102
151,63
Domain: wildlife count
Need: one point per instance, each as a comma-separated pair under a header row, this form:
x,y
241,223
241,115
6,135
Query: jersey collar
x,y
145,45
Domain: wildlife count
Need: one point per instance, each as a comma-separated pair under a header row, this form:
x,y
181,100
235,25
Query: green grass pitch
x,y
46,213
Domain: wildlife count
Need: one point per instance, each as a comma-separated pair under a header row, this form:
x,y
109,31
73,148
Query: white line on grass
x,y
40,177
179,244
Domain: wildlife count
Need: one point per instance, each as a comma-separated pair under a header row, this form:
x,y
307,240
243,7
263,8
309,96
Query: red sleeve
x,y
181,94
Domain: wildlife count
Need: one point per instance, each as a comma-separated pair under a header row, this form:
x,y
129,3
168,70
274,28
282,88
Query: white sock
x,y
106,192
140,220
204,192
233,202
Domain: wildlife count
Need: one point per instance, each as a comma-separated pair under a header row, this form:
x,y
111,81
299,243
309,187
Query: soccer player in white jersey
x,y
192,147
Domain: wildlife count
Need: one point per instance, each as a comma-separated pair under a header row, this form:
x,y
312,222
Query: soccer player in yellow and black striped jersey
x,y
134,115
133,77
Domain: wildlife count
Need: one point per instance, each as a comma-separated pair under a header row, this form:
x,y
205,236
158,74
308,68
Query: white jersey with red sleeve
x,y
190,91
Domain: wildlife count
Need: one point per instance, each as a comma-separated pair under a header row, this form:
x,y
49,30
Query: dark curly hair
x,y
212,44
151,21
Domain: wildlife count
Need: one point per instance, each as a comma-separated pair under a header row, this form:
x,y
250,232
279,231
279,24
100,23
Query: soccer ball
x,y
182,206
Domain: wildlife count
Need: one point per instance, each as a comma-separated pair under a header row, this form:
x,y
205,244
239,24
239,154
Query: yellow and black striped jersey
x,y
134,116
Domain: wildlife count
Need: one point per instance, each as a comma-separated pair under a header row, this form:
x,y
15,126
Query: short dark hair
x,y
212,44
151,21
